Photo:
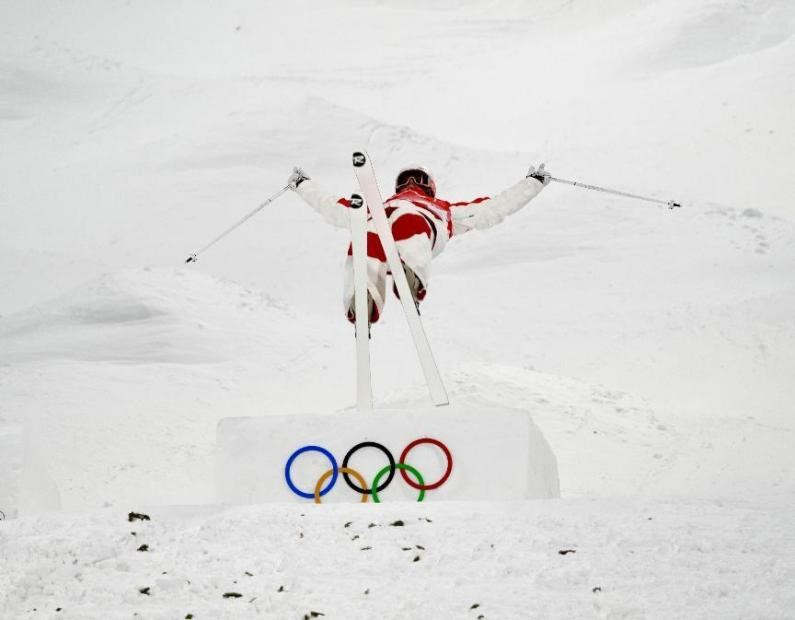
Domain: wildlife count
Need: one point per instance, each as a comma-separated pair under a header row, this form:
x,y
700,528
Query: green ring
x,y
380,474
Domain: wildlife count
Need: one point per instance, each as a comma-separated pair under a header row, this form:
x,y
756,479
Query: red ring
x,y
438,483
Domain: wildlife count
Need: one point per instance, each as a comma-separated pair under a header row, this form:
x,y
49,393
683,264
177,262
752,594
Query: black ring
x,y
369,444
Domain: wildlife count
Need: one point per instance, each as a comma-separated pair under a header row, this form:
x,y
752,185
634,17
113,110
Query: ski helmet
x,y
418,176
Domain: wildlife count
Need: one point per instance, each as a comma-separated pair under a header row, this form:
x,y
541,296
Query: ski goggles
x,y
418,177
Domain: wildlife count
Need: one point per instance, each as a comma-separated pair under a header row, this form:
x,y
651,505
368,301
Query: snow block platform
x,y
25,486
462,453
11,469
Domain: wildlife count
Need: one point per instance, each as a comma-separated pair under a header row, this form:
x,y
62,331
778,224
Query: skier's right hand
x,y
296,178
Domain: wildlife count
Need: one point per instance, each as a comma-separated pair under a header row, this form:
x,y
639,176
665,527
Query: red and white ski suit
x,y
421,226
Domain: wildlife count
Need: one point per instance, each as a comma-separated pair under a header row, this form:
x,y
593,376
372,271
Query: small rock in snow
x,y
137,516
397,523
416,558
565,551
596,589
232,595
144,590
475,605
348,524
143,547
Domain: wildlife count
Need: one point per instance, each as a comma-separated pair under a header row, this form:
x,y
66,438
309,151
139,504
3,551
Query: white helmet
x,y
418,176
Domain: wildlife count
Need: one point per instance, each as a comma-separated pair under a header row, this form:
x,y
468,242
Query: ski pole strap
x,y
195,256
671,204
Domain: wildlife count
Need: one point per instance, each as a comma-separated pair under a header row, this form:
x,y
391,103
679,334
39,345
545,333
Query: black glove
x,y
297,177
540,175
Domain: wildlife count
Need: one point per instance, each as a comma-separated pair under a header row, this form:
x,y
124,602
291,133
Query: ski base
x,y
365,174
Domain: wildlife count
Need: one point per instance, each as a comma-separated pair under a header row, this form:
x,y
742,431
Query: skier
x,y
421,223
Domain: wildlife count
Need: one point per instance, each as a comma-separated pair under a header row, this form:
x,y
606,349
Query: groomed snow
x,y
655,349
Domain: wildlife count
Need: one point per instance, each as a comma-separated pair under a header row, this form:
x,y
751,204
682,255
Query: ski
x,y
364,393
365,174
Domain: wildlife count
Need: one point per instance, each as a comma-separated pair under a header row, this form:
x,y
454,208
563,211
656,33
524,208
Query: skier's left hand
x,y
539,175
297,177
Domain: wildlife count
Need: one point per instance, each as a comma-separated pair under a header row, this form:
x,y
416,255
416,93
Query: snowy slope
x,y
621,559
654,349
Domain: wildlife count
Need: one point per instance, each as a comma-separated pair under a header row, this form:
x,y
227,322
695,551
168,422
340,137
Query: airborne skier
x,y
421,224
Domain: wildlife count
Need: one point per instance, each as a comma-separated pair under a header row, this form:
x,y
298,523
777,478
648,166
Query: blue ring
x,y
296,454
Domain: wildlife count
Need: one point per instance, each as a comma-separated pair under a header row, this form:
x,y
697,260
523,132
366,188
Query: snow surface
x,y
655,349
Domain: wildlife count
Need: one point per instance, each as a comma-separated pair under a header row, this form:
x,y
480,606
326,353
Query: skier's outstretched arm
x,y
332,208
485,213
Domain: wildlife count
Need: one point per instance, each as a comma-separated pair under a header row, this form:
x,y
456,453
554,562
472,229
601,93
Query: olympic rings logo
x,y
377,486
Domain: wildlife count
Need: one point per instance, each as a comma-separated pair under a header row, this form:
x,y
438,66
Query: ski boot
x,y
372,312
415,286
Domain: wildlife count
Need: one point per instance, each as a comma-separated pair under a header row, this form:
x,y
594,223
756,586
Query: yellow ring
x,y
343,470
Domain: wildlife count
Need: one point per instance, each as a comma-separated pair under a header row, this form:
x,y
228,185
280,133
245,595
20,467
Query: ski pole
x,y
672,204
195,256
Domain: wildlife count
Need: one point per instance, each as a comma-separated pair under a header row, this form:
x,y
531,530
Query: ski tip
x,y
191,259
359,159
